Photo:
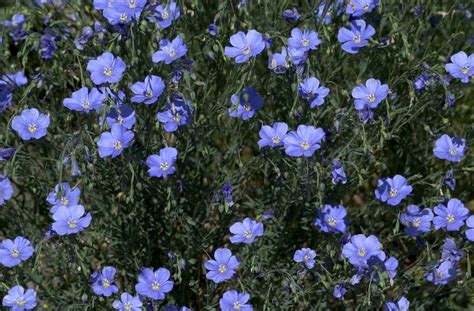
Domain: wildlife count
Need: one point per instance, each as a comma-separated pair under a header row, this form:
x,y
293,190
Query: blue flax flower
x,y
470,230
402,304
6,189
443,273
233,300
272,136
165,15
450,216
245,103
15,26
305,255
12,253
6,154
360,249
154,284
450,149
339,291
63,195
246,231
149,91
31,124
313,92
355,38
170,51
278,62
114,142
337,172
177,114
416,220
369,95
103,282
122,115
392,190
18,299
332,218
358,8
128,302
222,267
462,66
304,40
244,46
304,141
71,220
106,68
162,165
291,15
332,9
85,101
451,252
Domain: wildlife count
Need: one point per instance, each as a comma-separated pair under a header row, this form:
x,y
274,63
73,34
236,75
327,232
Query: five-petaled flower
x,y
128,302
106,68
245,103
114,142
462,66
360,249
12,253
246,231
244,46
306,256
313,92
393,190
272,136
450,216
103,282
31,124
332,218
85,101
233,300
304,40
369,95
18,299
222,267
149,91
416,220
70,220
154,284
304,141
450,149
355,38
170,51
162,165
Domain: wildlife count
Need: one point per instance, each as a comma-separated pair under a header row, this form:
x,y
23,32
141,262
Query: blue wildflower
x,y
272,136
245,103
313,92
162,165
244,46
170,51
355,38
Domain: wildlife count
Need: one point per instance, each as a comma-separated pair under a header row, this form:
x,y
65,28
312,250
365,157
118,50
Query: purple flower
x,y
6,189
304,40
339,291
106,68
18,300
450,216
462,66
154,284
422,81
31,124
356,37
86,34
122,115
291,15
16,27
170,51
6,154
272,136
165,15
128,302
63,195
360,249
451,252
313,92
70,220
114,142
450,149
148,91
244,46
358,8
305,255
338,174
390,266
401,305
223,267
470,231
47,44
103,282
332,218
227,192
278,62
331,9
12,253
369,95
392,190
85,101
442,274
366,115
416,221
176,116
449,179
233,300
162,165
246,231
212,29
245,103
304,141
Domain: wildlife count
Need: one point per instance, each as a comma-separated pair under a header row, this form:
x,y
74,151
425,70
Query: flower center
x,y
149,94
123,18
248,235
20,302
132,4
416,223
439,275
105,283
127,306
306,257
276,139
450,218
453,151
32,127
393,193
332,222
357,39
15,253
371,98
274,63
155,286
305,145
366,7
164,166
465,70
236,305
171,52
64,201
247,107
176,118
71,224
165,15
107,71
305,42
246,50
222,269
117,145
85,105
361,252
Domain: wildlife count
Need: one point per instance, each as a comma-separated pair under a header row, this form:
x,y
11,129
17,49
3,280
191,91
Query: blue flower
x,y
332,218
244,46
223,267
449,179
18,299
338,174
278,62
31,124
114,142
6,154
71,220
47,44
369,95
212,29
393,190
86,34
304,40
358,8
12,253
245,103
331,9
63,195
170,51
233,300
122,115
291,15
450,216
304,141
162,165
148,91
443,273
15,26
450,149
390,266
154,284
103,282
470,231
106,68
451,252
422,81
339,291
272,136
246,231
360,249
128,302
165,15
313,92
416,221
401,305
356,37
176,115
6,189
462,66
85,101
305,255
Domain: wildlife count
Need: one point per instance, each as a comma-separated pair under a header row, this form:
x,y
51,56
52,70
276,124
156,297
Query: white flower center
x,y
164,166
117,145
248,235
107,71
171,52
246,50
236,305
71,224
393,193
465,70
64,201
222,269
453,151
15,253
305,42
305,145
371,98
332,222
361,252
416,223
155,286
357,39
105,283
276,139
450,218
20,302
32,128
